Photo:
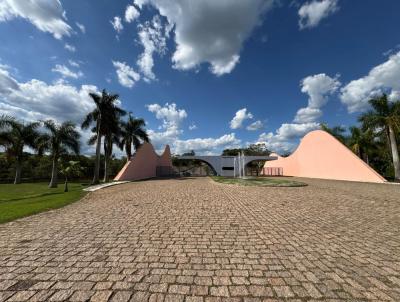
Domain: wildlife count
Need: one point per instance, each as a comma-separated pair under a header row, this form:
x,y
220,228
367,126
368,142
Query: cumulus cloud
x,y
127,77
70,47
318,87
36,99
66,72
382,78
47,16
307,115
131,13
192,127
257,125
117,24
169,114
153,39
169,133
210,31
283,140
81,27
311,13
240,116
207,145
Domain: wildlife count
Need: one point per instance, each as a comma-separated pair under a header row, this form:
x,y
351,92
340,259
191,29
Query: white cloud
x,y
70,47
207,145
66,72
283,140
117,24
257,125
210,31
170,131
153,39
81,27
192,127
36,99
126,75
311,13
307,115
382,78
240,116
74,63
318,87
169,114
47,16
131,13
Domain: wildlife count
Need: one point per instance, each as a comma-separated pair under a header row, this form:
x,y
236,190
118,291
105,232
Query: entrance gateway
x,y
229,166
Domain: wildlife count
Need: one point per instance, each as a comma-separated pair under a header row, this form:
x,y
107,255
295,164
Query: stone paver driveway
x,y
195,240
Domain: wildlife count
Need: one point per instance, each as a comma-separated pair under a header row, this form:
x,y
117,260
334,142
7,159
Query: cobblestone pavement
x,y
196,240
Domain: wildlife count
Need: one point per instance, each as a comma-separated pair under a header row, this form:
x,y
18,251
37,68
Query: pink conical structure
x,y
146,164
320,155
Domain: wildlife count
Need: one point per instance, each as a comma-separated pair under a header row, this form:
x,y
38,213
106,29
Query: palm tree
x,y
111,130
106,109
70,169
361,142
14,136
59,140
384,118
133,134
337,132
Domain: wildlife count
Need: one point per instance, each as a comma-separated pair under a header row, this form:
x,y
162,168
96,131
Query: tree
x,y
106,108
361,142
384,119
71,169
58,141
133,133
337,132
112,132
14,136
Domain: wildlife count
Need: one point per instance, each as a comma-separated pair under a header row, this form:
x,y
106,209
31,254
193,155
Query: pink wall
x,y
320,155
144,163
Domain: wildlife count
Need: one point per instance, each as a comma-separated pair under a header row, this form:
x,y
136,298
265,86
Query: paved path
x,y
195,240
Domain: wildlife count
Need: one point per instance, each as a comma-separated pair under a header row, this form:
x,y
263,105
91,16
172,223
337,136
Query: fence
x,y
272,171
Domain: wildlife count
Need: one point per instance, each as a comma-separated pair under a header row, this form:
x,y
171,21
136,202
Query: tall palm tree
x,y
111,130
106,109
59,140
14,136
134,134
384,118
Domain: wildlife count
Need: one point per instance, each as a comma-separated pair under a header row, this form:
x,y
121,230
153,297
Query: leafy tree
x,y
251,150
14,136
133,133
384,119
361,142
59,139
337,131
70,169
105,111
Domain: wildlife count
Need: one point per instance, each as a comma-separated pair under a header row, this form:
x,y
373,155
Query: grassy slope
x,y
22,200
260,181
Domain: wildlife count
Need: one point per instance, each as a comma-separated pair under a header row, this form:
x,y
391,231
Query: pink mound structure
x,y
320,155
146,164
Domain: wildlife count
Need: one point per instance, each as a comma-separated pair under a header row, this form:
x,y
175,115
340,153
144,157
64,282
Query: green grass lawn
x,y
259,181
22,200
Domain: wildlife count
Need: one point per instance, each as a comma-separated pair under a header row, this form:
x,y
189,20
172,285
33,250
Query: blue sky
x,y
205,75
